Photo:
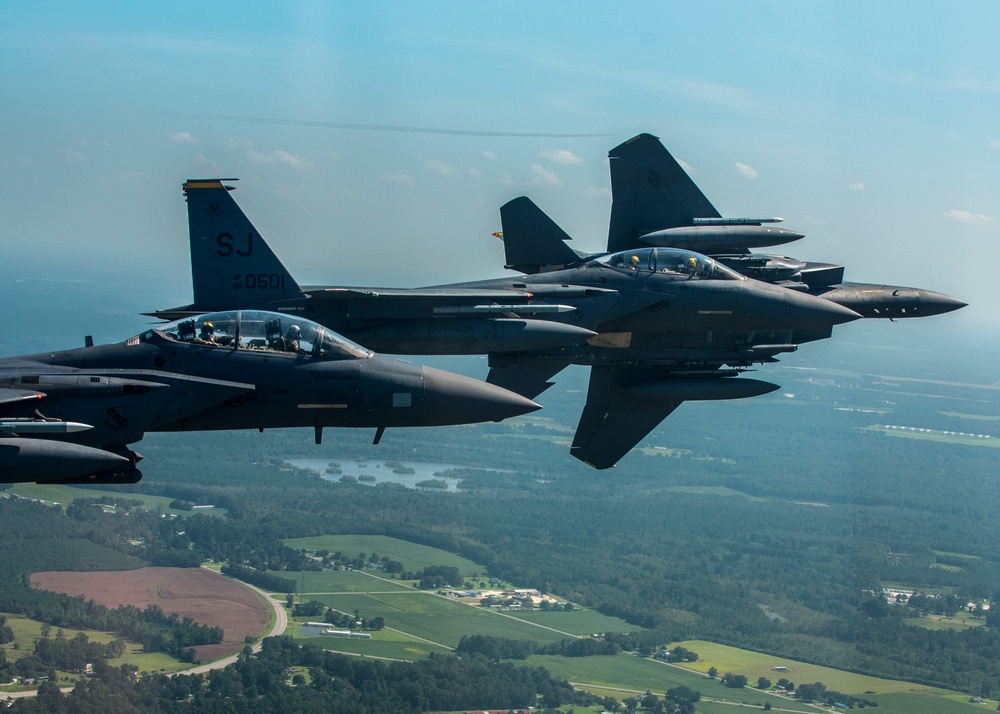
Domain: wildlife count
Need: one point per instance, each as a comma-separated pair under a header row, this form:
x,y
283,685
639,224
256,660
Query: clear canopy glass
x,y
671,260
261,331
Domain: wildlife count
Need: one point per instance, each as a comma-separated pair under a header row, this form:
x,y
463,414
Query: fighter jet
x,y
630,315
655,202
70,416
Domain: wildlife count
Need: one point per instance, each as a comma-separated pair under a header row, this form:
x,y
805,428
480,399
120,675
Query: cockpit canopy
x,y
260,330
671,260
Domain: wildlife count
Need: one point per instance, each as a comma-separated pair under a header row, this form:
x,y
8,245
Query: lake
x,y
381,471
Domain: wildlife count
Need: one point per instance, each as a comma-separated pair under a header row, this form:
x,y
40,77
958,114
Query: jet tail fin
x,y
231,265
532,241
650,191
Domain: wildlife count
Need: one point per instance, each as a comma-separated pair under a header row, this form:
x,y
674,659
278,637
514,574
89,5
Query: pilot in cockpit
x,y
206,336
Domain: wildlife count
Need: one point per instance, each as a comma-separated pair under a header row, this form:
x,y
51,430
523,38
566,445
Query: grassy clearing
x,y
625,675
928,703
577,622
341,581
974,417
938,436
408,650
50,493
411,555
755,665
27,631
961,621
438,619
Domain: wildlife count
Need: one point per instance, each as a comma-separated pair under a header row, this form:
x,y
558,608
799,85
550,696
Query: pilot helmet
x,y
208,327
294,332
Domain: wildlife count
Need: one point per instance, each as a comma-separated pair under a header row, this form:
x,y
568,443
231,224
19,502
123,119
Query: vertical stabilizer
x,y
532,241
650,191
231,265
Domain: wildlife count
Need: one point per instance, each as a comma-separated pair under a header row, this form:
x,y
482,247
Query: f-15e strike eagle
x,y
658,325
71,416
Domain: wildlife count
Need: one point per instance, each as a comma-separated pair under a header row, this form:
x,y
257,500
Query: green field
x,y
938,436
412,556
577,622
626,674
413,616
437,619
50,493
386,643
342,581
961,621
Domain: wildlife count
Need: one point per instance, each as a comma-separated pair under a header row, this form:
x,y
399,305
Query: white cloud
x,y
541,176
474,172
506,179
489,155
182,137
279,157
973,219
332,155
686,166
400,179
206,163
73,155
598,193
560,156
856,186
440,167
994,143
746,171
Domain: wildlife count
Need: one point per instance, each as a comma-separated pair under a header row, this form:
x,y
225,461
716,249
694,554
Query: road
x,y
280,625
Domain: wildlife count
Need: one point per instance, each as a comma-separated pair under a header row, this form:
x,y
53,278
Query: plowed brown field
x,y
206,597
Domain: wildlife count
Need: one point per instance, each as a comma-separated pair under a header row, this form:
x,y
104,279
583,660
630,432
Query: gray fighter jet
x,y
655,202
70,416
636,317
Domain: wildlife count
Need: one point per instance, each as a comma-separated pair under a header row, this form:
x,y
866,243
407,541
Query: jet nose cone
x,y
815,312
455,399
932,303
788,235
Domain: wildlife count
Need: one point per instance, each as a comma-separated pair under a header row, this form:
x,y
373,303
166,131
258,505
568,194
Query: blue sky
x,y
874,128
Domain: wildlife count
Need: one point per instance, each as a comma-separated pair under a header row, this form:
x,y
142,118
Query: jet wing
x,y
624,404
9,396
614,421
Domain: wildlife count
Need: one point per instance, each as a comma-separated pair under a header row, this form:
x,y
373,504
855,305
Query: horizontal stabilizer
x,y
528,380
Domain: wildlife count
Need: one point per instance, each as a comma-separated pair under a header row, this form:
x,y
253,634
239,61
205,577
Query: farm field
x,y
411,555
341,581
755,664
51,493
198,593
386,643
577,622
436,618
